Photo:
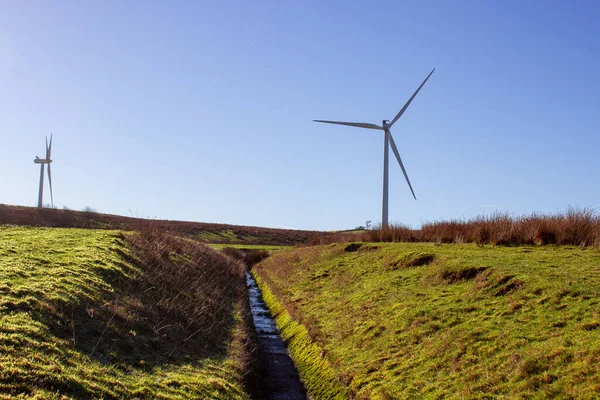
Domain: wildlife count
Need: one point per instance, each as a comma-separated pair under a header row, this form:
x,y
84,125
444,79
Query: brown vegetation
x,y
578,227
192,293
189,291
248,257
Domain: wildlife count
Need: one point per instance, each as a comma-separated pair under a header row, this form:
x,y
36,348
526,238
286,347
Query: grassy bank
x,y
413,320
96,314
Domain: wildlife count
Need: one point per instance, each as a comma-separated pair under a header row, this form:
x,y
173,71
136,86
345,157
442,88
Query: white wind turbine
x,y
42,162
389,140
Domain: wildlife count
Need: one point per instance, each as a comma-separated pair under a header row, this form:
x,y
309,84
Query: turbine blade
x,y
49,148
410,100
46,147
50,181
356,124
395,150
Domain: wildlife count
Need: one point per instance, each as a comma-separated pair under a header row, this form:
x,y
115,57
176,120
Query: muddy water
x,y
280,380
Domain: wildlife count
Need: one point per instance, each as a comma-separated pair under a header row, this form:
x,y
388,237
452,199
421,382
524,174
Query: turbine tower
x,y
388,141
42,162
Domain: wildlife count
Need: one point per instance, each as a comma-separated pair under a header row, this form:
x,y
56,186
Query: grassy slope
x,y
66,329
417,320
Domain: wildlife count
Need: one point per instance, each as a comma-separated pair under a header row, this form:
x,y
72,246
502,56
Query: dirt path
x,y
280,380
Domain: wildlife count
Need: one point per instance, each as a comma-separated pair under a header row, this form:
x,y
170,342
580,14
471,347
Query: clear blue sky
x,y
201,110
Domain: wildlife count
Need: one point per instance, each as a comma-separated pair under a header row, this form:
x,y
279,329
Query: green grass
x,y
407,320
223,236
351,231
268,248
68,329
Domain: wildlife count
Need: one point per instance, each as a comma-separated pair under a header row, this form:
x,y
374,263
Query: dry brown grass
x,y
189,290
579,227
576,226
248,257
189,295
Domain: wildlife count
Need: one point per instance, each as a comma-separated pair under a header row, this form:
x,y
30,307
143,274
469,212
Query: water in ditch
x,y
280,380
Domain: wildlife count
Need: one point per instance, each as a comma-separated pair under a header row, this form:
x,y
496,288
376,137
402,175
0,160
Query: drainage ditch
x,y
280,380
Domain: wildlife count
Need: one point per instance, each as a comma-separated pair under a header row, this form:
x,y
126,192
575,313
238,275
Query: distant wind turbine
x,y
42,162
389,140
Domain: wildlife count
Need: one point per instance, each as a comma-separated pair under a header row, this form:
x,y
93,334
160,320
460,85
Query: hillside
x,y
201,231
419,320
101,314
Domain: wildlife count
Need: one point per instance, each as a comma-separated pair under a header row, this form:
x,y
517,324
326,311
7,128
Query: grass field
x,y
419,320
100,314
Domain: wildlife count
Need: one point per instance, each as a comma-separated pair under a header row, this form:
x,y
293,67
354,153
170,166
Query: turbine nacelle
x,y
385,124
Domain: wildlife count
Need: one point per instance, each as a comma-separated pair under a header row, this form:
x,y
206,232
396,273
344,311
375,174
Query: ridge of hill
x,y
202,231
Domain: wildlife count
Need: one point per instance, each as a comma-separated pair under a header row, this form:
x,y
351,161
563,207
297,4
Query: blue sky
x,y
202,110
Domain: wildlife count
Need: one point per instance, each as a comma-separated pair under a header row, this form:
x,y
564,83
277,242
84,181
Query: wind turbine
x,y
389,140
42,162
